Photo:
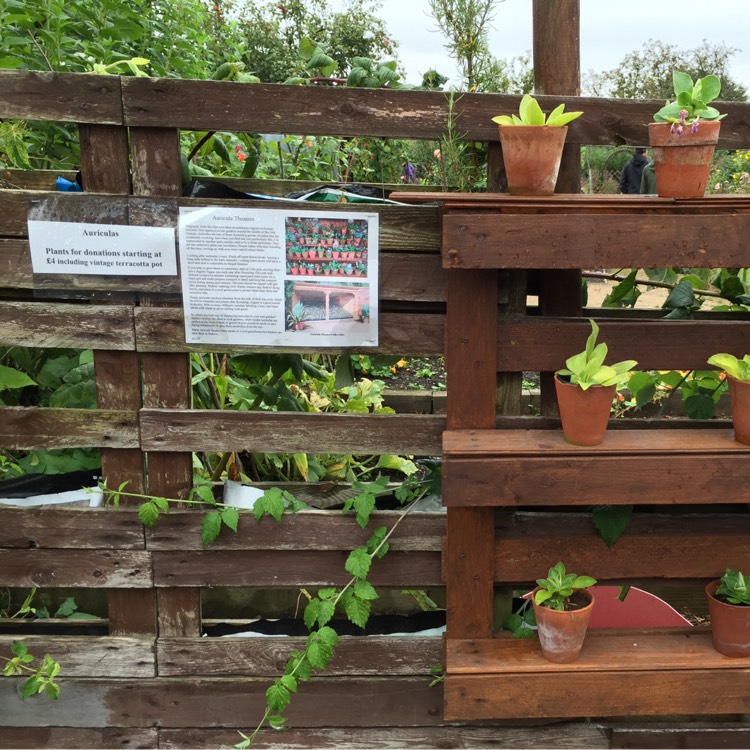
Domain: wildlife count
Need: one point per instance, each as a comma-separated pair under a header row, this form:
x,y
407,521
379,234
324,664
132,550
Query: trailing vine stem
x,y
647,282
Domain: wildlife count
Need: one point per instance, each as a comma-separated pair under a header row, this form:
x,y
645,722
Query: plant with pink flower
x,y
692,102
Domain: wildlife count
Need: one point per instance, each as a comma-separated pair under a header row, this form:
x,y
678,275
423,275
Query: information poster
x,y
67,247
262,277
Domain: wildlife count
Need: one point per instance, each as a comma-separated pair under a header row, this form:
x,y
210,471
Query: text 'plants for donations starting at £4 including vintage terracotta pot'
x,y
683,137
738,377
585,389
562,608
729,611
532,146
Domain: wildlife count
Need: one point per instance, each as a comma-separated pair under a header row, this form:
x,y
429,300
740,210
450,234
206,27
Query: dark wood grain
x,y
691,737
106,738
286,432
574,241
85,569
66,97
365,655
544,344
35,428
289,568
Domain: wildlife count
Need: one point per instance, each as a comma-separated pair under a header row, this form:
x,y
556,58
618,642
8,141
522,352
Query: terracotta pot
x,y
730,624
531,154
683,162
739,398
561,633
584,414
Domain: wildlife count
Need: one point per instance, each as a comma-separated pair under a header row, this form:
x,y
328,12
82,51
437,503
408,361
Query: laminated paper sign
x,y
264,277
66,247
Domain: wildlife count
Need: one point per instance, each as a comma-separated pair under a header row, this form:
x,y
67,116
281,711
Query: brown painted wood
x,y
676,546
606,693
574,736
35,428
163,329
15,264
212,430
132,611
51,528
207,105
544,344
85,569
104,158
289,568
569,241
365,655
691,737
66,97
66,326
231,703
91,656
105,738
306,530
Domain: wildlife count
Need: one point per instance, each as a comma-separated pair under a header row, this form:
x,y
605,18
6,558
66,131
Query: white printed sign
x,y
263,277
66,247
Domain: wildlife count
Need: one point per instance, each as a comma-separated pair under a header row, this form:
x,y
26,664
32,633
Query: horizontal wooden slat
x,y
251,656
163,330
204,105
73,568
572,736
670,546
35,428
67,97
539,468
289,568
573,240
543,344
236,703
306,530
80,656
66,326
105,738
690,736
285,432
79,528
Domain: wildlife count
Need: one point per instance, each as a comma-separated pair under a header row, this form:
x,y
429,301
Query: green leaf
x,y
327,610
699,406
270,503
681,82
310,615
289,682
364,504
18,648
611,521
67,608
682,295
11,378
365,590
397,463
210,527
358,563
230,517
277,697
31,687
357,610
148,513
275,721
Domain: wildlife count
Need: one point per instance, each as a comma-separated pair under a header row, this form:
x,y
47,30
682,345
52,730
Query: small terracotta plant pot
x,y
683,162
584,414
561,633
739,398
730,624
531,154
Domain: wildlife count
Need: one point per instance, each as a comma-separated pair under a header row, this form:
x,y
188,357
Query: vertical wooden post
x,y
471,365
104,168
166,377
557,70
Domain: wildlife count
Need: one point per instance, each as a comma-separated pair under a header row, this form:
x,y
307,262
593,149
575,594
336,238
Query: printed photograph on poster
x,y
265,277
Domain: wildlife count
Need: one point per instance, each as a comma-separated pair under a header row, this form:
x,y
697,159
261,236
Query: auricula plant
x,y
530,113
691,103
733,588
559,585
739,369
587,368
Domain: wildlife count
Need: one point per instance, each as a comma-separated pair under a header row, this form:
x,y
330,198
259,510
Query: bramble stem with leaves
x,y
42,677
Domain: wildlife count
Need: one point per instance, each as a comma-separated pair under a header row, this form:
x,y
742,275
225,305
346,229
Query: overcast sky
x,y
609,30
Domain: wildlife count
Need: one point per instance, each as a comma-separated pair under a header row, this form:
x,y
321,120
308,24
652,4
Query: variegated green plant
x,y
692,101
739,369
530,113
559,585
587,368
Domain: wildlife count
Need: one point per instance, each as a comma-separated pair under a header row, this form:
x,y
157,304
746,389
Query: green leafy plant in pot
x,y
562,607
585,388
738,377
532,146
729,610
684,135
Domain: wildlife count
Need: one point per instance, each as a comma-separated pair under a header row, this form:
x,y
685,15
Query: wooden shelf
x,y
538,468
619,673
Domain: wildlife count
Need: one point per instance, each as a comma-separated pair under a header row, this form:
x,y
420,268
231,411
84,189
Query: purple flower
x,y
694,127
683,116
